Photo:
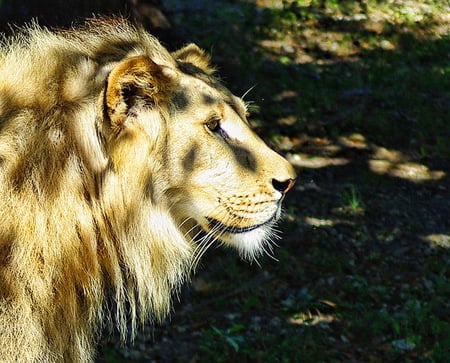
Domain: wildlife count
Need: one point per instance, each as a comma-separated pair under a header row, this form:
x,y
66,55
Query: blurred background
x,y
356,94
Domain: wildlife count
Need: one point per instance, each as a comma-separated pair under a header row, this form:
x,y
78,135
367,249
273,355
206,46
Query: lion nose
x,y
283,186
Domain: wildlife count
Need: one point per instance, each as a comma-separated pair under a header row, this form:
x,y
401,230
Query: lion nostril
x,y
283,186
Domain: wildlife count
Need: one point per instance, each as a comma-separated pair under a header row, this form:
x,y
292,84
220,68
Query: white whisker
x,y
248,91
185,221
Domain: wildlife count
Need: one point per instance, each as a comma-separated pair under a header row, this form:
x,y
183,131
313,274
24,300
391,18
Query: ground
x,y
356,94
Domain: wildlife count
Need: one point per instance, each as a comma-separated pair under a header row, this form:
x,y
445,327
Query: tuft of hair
x,y
84,241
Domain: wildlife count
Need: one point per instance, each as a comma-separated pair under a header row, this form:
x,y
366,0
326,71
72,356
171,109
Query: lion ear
x,y
136,80
194,55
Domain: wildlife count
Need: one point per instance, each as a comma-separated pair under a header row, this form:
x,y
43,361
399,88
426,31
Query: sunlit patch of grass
x,y
411,171
397,164
311,318
314,162
438,240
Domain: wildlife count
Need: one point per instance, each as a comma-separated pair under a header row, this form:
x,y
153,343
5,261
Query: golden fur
x,y
120,163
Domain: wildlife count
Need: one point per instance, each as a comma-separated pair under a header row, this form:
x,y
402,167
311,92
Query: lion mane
x,y
89,236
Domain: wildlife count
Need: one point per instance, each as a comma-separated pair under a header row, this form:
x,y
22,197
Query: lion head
x,y
120,163
219,175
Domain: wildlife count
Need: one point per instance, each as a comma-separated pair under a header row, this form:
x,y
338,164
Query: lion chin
x,y
120,164
250,241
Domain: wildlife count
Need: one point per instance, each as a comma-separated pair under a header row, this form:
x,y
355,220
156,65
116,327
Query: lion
x,y
120,163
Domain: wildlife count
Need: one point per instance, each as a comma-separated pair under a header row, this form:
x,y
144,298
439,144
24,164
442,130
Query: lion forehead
x,y
196,94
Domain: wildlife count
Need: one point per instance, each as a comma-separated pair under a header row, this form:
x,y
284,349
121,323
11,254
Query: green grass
x,y
352,202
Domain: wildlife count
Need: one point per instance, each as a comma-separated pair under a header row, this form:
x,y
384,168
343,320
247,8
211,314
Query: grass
x,y
351,201
357,95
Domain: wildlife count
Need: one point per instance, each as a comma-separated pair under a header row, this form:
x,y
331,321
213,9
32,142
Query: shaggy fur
x,y
103,187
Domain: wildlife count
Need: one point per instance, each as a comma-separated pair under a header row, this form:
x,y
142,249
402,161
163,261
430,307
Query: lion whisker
x,y
248,91
203,245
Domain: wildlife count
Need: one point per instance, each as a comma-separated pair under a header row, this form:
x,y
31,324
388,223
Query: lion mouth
x,y
216,225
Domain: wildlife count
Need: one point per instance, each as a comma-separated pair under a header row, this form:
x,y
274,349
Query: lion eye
x,y
213,124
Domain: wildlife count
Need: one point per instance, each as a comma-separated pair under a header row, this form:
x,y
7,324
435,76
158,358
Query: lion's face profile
x,y
220,175
120,163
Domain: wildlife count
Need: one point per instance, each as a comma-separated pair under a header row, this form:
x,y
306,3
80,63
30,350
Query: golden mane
x,y
79,242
